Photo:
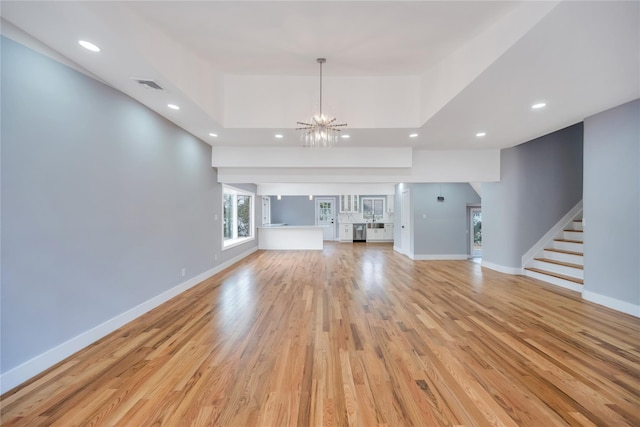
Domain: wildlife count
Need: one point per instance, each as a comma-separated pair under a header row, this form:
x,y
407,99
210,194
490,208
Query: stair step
x,y
562,251
559,276
568,245
577,235
565,264
564,255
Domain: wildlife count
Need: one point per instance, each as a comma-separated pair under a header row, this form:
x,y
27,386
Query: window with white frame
x,y
237,214
373,208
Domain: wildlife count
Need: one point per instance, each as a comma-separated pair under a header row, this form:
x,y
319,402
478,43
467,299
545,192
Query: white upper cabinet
x,y
349,203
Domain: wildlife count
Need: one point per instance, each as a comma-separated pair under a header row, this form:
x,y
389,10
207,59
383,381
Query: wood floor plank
x,y
353,335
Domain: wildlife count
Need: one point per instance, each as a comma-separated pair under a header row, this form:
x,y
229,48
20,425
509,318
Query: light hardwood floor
x,y
352,335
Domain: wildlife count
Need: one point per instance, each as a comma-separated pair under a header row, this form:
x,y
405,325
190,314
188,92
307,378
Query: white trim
x,y
615,304
443,257
232,243
502,269
43,361
537,249
235,192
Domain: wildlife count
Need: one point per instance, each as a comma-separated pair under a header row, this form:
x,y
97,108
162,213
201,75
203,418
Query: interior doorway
x,y
325,217
475,232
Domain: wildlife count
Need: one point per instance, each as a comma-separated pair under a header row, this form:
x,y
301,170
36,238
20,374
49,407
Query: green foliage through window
x,y
237,215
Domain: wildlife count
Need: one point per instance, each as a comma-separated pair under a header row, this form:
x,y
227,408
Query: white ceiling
x,y
445,70
284,38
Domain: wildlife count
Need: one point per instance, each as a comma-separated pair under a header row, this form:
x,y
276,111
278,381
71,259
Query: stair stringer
x,y
555,232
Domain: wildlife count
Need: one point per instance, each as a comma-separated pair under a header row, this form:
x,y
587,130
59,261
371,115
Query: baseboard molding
x,y
44,361
615,304
444,257
502,269
551,234
400,251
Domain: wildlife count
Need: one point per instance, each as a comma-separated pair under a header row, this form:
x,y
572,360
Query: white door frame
x,y
405,223
329,232
266,210
471,210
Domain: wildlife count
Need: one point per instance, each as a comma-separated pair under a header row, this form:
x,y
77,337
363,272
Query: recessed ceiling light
x,y
279,135
215,135
173,106
481,134
538,106
346,136
413,135
89,46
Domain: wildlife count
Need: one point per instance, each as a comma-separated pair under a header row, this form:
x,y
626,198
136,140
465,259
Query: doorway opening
x,y
475,232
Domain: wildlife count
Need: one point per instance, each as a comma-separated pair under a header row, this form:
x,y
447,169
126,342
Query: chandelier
x,y
320,131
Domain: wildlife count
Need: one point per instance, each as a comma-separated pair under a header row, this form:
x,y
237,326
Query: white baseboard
x,y
40,363
551,234
502,269
615,304
444,257
398,249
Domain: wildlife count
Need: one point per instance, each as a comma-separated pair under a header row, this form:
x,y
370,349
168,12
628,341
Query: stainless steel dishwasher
x,y
359,232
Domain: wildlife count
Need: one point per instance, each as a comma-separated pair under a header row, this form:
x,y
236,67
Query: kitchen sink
x,y
375,225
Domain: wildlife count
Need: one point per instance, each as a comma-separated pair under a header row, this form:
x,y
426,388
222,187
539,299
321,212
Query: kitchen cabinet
x,y
346,233
375,234
382,234
388,232
349,203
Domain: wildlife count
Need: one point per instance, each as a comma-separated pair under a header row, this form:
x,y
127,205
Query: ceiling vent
x,y
148,83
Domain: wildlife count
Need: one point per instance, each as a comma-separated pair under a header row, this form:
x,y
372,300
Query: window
x,y
237,214
372,208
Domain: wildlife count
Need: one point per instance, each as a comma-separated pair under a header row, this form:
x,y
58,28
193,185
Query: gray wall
x,y
540,181
293,210
299,210
103,203
612,203
444,230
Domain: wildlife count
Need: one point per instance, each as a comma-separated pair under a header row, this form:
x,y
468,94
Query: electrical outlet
x,y
184,271
215,257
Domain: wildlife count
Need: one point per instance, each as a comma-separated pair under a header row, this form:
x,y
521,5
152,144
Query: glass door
x,y
325,217
476,232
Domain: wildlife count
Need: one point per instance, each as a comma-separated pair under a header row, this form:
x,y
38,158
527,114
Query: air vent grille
x,y
149,83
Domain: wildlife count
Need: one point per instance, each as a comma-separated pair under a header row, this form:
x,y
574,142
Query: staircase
x,y
561,261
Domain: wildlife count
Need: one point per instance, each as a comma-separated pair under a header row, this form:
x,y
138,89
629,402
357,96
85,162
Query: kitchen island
x,y
290,237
